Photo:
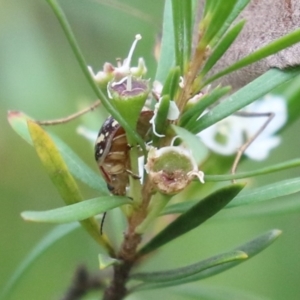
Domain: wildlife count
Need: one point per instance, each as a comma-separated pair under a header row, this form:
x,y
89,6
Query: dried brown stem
x,y
189,78
70,117
83,282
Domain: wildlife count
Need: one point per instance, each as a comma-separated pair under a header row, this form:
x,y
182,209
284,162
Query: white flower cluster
x,y
226,136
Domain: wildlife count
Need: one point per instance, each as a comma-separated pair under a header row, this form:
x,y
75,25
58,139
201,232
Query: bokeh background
x,y
40,76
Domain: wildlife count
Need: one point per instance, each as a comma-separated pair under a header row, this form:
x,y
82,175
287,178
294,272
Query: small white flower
x,y
266,141
226,136
103,76
122,70
140,70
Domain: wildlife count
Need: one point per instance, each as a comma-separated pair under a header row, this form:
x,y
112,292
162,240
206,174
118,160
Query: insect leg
x,y
102,222
134,176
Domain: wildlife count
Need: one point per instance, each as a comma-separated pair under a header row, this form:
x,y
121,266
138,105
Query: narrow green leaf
x,y
178,208
269,209
239,6
54,164
18,122
194,217
181,273
107,261
188,27
251,248
76,212
218,14
267,192
222,47
167,53
252,196
272,48
274,168
38,250
77,167
61,177
161,117
246,95
213,292
172,83
291,94
178,24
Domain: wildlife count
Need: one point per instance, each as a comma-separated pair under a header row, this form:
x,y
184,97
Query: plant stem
x,y
190,76
128,252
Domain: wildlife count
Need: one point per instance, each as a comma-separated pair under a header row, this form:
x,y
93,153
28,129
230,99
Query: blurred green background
x,y
40,76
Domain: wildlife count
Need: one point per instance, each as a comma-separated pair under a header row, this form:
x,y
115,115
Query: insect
x,y
112,151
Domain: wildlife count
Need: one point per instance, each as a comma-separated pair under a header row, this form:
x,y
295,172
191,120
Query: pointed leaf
x,y
161,117
198,214
272,48
188,12
251,248
179,34
76,212
267,192
215,17
106,261
182,273
213,292
171,84
54,164
246,95
270,169
239,6
167,55
270,209
61,177
77,167
222,47
251,196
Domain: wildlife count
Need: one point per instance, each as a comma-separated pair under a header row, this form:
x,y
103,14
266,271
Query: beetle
x,y
112,151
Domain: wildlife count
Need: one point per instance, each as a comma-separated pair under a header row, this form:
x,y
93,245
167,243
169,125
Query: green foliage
x,y
184,272
250,248
76,212
182,72
77,167
195,216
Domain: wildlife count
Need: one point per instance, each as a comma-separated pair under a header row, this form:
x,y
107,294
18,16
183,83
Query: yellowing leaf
x,y
61,177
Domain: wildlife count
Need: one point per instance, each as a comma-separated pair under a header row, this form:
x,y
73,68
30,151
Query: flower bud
x,y
128,96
